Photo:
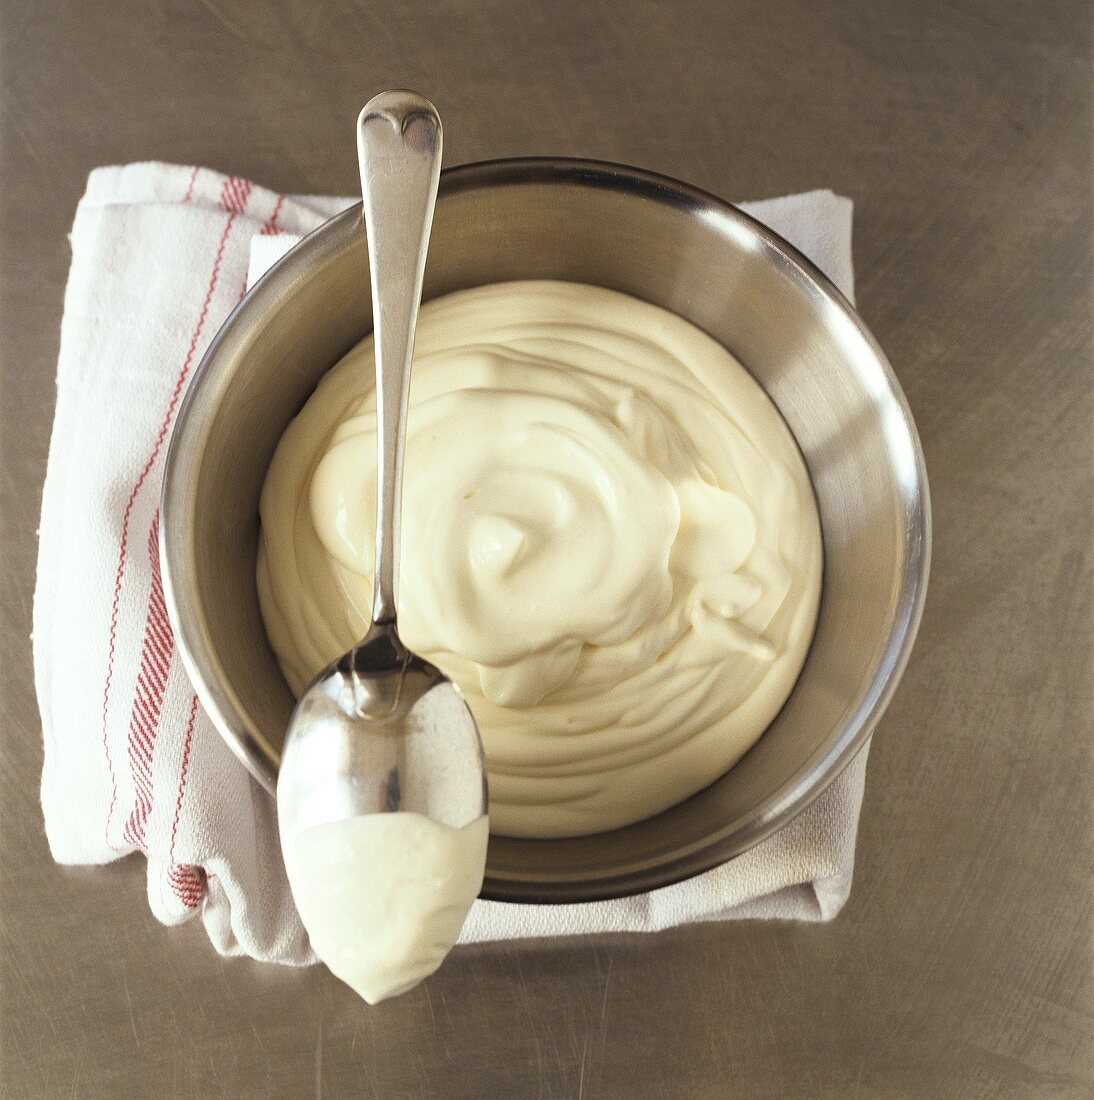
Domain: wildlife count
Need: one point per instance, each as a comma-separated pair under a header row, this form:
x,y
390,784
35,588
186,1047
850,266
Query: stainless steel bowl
x,y
670,244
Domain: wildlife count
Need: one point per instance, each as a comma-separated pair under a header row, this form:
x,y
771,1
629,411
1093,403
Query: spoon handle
x,y
399,149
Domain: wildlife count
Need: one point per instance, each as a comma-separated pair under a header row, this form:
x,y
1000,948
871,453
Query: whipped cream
x,y
609,541
384,896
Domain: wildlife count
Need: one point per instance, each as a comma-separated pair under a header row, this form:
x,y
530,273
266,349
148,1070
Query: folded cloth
x,y
160,255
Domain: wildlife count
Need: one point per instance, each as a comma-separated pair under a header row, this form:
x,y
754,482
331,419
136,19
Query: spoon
x,y
381,730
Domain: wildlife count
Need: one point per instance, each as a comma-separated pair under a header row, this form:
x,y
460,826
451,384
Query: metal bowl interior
x,y
658,240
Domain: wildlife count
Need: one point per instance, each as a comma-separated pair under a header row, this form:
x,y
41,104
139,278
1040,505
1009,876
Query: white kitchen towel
x,y
160,255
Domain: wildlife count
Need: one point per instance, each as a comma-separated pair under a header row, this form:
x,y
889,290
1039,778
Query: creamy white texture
x,y
384,896
609,542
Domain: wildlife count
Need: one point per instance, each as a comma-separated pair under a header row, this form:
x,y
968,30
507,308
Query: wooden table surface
x,y
962,965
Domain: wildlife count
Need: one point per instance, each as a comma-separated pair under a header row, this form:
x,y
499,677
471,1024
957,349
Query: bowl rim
x,y
815,774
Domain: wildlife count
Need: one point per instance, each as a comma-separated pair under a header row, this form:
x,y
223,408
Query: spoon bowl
x,y
380,731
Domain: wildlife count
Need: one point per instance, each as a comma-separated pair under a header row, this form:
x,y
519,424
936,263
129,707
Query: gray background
x,y
962,964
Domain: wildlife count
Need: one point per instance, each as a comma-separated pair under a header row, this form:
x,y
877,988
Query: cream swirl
x,y
609,541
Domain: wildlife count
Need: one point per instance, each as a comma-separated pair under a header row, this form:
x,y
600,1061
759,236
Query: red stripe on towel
x,y
234,193
186,881
155,665
190,185
271,226
161,436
